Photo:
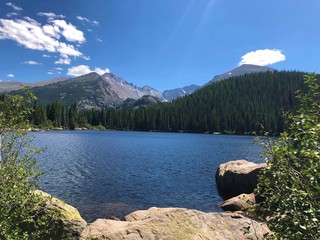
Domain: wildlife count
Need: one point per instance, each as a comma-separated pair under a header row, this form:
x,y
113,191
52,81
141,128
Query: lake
x,y
112,173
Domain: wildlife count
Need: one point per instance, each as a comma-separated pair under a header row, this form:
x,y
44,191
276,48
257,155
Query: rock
x,y
68,224
239,203
176,223
237,177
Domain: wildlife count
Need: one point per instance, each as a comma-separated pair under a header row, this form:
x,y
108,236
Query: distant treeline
x,y
239,105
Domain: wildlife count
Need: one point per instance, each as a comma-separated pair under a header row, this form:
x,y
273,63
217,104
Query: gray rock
x,y
177,223
237,177
239,203
68,224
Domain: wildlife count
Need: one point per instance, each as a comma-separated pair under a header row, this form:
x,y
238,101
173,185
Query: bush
x,y
289,186
21,211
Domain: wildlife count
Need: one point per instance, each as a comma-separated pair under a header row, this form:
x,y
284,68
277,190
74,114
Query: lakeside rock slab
x,y
237,177
175,224
68,224
239,203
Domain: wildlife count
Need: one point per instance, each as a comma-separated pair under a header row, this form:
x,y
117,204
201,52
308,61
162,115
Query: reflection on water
x,y
112,173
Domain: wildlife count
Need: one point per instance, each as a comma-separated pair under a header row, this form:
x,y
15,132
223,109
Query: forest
x,y
238,105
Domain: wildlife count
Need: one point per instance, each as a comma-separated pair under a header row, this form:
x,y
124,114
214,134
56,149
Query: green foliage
x,y
290,186
22,213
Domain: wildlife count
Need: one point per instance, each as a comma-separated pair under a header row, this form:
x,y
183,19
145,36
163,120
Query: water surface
x,y
112,173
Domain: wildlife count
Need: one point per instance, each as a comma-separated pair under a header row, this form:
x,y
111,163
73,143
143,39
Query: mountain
x,y
179,92
127,90
46,82
239,105
89,91
147,90
15,85
146,100
9,85
239,71
108,90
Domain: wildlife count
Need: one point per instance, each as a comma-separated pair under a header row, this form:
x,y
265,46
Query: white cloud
x,y
32,35
15,7
12,14
56,70
46,56
86,20
10,75
65,61
68,50
84,69
102,71
78,70
52,31
31,62
87,58
50,15
263,57
70,32
82,18
99,40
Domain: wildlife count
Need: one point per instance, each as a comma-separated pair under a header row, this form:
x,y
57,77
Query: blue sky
x,y
161,43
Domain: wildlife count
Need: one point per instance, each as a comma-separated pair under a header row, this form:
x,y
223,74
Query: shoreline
x,y
145,131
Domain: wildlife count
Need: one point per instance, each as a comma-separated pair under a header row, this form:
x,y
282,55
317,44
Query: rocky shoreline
x,y
175,223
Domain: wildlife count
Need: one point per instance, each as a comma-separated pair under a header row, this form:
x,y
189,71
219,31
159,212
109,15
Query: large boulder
x,y
237,177
239,203
68,224
176,223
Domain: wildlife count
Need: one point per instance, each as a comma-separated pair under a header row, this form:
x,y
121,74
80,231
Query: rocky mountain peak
x,y
241,70
179,92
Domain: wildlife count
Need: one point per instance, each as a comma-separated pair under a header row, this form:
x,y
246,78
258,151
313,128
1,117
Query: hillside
x,y
127,90
88,91
6,86
238,105
144,101
239,71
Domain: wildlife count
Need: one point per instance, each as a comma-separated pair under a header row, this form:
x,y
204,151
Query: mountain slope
x,y
46,82
144,101
15,85
239,71
88,91
127,90
238,105
179,92
9,85
147,90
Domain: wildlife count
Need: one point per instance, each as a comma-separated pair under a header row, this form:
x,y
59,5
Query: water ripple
x,y
112,173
